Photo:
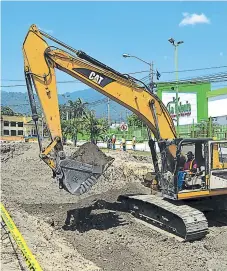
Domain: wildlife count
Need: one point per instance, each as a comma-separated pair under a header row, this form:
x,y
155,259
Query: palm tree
x,y
73,114
72,129
97,128
64,110
78,108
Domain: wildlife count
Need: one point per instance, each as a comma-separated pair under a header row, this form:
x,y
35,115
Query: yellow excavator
x,y
171,208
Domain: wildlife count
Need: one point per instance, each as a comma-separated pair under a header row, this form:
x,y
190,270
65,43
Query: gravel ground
x,y
110,240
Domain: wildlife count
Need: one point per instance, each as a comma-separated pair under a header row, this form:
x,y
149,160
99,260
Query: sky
x,y
106,30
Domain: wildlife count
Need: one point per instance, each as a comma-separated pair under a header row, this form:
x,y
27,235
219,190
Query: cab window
x,y
219,155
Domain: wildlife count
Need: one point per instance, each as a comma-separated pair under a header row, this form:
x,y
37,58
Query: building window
x,y
20,124
13,133
20,132
6,123
6,132
33,132
13,123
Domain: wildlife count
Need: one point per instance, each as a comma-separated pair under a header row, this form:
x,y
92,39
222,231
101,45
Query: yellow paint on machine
x,y
29,257
193,194
204,193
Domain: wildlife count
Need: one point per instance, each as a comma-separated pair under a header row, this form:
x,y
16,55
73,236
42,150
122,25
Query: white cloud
x,y
221,54
192,19
48,31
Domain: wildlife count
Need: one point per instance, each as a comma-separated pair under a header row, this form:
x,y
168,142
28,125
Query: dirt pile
x,y
107,240
123,173
12,149
91,154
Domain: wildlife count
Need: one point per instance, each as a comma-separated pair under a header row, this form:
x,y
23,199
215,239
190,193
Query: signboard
x,y
217,106
124,127
187,106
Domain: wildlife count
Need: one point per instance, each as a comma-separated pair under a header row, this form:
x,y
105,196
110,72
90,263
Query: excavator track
x,y
181,220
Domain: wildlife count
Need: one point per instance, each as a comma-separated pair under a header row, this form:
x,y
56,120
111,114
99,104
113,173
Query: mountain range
x,y
19,102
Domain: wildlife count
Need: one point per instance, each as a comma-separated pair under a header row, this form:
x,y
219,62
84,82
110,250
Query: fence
x,y
202,129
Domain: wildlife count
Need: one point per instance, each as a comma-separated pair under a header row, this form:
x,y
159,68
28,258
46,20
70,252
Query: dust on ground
x,y
110,240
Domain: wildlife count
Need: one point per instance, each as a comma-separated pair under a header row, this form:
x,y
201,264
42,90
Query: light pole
x,y
151,81
176,44
151,68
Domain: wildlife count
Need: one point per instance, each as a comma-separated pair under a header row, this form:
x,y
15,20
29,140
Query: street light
x,y
151,81
127,55
176,44
150,65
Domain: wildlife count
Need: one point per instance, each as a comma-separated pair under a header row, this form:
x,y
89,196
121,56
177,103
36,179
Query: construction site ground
x,y
108,240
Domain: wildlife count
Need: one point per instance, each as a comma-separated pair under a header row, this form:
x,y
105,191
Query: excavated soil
x,y
91,154
105,239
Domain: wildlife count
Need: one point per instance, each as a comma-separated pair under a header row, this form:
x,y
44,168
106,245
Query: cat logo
x,y
96,78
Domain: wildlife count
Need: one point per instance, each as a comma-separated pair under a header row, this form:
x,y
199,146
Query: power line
x,y
189,70
200,69
60,82
97,102
210,75
208,78
14,104
12,86
138,72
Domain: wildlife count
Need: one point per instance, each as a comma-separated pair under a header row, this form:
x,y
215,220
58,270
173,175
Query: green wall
x,y
199,88
217,92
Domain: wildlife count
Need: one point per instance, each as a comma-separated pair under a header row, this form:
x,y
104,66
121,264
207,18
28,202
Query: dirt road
x,y
110,240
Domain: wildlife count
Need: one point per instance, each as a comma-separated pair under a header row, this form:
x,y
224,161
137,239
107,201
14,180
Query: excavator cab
x,y
210,158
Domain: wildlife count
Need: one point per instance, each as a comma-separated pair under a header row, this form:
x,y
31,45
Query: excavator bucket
x,y
80,171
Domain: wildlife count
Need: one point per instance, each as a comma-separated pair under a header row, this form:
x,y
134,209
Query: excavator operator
x,y
191,164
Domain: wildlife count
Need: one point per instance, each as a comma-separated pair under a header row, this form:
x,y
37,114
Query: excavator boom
x,y
40,62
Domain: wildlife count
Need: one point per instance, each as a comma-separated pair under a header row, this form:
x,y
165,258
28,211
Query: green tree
x,y
5,110
63,111
133,120
72,129
78,108
73,110
96,128
72,117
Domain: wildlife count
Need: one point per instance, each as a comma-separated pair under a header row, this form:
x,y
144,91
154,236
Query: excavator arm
x,y
40,62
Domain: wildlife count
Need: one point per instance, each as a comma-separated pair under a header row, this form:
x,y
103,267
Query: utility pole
x,y
120,116
152,76
176,44
126,113
177,90
108,110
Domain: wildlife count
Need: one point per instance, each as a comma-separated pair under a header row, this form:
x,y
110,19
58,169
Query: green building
x,y
193,102
196,102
